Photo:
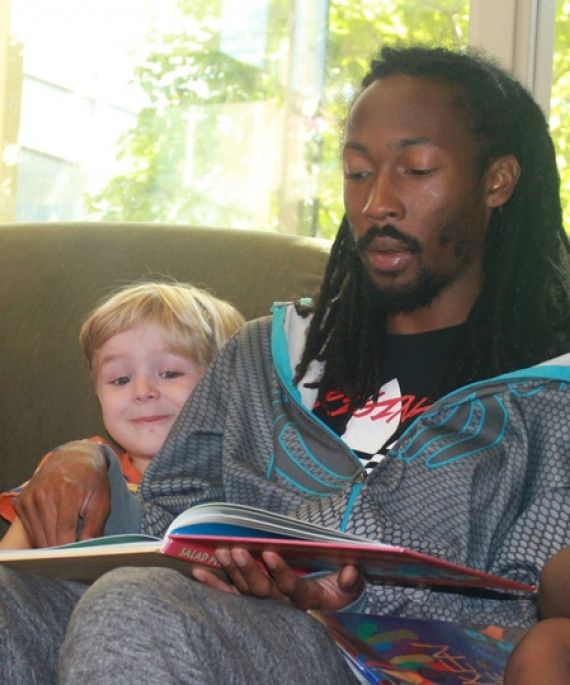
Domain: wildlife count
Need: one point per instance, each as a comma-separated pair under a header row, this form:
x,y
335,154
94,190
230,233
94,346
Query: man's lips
x,y
387,254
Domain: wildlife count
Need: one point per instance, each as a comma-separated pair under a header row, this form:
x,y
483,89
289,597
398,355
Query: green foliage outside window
x,y
560,104
193,86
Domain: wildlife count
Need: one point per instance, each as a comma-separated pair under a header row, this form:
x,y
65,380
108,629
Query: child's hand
x,y
71,485
16,537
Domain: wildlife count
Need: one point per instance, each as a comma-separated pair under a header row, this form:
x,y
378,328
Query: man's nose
x,y
383,202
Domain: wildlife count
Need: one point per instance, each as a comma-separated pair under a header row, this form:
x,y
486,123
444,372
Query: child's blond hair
x,y
195,324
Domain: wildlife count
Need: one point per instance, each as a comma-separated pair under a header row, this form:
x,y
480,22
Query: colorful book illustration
x,y
397,651
197,532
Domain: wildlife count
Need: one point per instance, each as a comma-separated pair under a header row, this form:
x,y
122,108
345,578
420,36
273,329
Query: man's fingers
x,y
71,487
275,579
48,521
210,579
36,534
94,514
351,581
247,576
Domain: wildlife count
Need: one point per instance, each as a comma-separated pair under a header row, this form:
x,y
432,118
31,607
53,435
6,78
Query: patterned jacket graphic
x,y
482,478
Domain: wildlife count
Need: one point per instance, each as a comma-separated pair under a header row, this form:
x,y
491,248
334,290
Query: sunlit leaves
x,y
192,121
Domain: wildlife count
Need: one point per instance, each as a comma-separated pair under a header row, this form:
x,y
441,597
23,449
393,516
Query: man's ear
x,y
501,179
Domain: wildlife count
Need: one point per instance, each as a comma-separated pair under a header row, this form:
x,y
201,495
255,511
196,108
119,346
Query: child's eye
x,y
123,380
171,374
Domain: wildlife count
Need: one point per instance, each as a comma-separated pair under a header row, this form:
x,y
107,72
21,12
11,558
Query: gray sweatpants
x,y
155,626
34,613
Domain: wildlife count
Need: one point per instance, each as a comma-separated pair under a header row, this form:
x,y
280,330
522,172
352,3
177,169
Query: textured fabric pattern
x,y
34,613
158,627
502,507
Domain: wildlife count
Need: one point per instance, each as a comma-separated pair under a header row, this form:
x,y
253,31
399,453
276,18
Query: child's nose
x,y
144,389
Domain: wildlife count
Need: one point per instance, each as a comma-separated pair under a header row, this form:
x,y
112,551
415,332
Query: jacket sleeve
x,y
125,516
483,483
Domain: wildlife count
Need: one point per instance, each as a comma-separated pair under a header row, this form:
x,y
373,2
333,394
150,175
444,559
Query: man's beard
x,y
408,297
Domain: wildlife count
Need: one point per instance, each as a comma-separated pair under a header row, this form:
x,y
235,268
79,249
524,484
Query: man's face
x,y
414,193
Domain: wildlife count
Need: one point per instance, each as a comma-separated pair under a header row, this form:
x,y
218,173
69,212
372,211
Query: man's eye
x,y
123,380
356,175
420,172
171,374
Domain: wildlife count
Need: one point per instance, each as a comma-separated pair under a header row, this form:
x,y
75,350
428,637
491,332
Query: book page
x,y
224,518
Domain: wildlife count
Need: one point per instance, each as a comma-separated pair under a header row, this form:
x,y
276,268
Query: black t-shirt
x,y
413,367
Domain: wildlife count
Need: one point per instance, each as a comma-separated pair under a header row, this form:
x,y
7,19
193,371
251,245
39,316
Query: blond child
x,y
146,347
543,654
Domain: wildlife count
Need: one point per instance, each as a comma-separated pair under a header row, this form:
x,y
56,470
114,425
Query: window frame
x,y
520,34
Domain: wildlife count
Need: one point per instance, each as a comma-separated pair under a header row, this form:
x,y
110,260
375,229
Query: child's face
x,y
141,388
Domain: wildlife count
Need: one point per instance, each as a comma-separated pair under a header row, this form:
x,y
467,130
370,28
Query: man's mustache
x,y
409,243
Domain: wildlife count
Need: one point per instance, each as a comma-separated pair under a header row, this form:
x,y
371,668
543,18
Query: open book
x,y
194,535
390,649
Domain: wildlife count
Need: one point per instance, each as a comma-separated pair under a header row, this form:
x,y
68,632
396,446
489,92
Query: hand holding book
x,y
273,578
196,533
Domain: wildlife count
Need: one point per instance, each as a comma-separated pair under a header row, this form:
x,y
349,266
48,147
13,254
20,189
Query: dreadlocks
x,y
522,314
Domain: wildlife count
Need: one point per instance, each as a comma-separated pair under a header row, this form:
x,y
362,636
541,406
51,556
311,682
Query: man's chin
x,y
393,297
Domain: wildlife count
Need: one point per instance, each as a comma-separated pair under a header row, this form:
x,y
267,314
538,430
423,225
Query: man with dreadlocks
x,y
449,269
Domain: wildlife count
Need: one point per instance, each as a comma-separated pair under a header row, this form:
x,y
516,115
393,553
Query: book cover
x,y
393,650
194,535
377,562
87,560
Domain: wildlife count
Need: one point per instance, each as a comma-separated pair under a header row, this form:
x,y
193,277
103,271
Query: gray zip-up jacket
x,y
482,478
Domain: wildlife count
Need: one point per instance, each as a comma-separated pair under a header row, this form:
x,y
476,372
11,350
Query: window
x,y
560,102
212,112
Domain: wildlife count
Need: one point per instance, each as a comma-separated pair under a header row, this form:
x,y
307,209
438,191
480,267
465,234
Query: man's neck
x,y
421,322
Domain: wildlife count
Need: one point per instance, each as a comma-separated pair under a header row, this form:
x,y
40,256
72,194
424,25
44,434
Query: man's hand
x,y
327,593
72,484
